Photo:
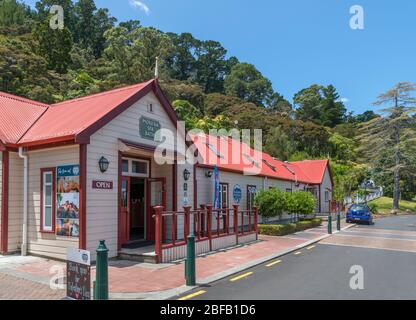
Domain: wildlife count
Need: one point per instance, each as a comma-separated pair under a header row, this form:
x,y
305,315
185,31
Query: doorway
x,y
132,210
137,209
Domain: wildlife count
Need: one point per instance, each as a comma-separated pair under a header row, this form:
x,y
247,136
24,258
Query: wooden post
x,y
203,221
158,233
209,224
174,228
236,221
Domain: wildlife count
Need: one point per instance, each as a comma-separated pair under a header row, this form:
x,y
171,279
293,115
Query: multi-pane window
x,y
251,194
48,196
135,167
224,195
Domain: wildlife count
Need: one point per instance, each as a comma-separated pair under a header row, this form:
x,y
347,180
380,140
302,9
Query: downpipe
x,y
25,200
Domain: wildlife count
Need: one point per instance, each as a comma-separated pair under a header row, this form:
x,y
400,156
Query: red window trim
x,y
42,171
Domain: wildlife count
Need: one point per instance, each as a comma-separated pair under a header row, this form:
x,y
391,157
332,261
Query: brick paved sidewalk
x,y
14,288
140,280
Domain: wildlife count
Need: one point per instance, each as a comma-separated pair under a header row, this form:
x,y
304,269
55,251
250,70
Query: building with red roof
x,y
94,168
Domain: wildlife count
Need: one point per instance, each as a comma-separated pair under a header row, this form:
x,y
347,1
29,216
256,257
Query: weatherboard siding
x,y
102,205
206,187
15,202
46,244
326,186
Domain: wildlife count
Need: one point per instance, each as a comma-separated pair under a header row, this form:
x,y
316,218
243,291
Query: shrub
x,y
303,225
270,203
285,229
277,229
301,202
373,207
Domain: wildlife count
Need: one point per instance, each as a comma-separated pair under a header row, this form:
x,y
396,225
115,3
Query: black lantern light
x,y
103,163
186,174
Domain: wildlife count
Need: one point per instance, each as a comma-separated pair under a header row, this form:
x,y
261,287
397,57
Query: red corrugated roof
x,y
23,122
315,169
69,118
219,151
17,115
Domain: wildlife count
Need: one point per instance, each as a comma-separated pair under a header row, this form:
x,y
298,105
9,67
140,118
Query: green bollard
x,y
329,224
339,222
190,262
101,279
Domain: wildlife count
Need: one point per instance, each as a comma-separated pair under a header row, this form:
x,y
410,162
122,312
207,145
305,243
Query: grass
x,y
385,205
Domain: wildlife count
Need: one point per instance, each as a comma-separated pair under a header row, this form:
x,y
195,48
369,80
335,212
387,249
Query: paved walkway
x,y
131,280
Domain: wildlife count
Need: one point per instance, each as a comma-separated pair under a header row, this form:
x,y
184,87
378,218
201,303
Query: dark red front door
x,y
156,196
124,219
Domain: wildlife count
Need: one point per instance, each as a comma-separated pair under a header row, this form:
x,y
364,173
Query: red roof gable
x,y
68,119
17,115
220,150
25,123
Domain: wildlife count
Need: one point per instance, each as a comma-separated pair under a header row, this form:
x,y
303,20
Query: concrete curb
x,y
168,294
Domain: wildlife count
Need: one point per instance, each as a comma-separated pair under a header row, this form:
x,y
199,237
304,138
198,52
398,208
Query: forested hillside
x,y
208,88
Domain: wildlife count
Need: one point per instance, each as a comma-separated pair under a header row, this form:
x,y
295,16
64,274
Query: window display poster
x,y
67,201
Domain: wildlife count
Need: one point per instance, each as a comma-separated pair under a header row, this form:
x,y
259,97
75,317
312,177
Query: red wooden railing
x,y
208,224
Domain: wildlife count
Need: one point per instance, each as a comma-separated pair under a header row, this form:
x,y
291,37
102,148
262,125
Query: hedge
x,y
285,229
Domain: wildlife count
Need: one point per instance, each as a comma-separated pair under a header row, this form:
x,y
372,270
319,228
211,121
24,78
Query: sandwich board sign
x,y
78,274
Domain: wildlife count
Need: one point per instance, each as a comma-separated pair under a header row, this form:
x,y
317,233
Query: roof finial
x,y
157,68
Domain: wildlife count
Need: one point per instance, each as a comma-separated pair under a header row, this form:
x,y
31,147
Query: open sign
x,y
102,185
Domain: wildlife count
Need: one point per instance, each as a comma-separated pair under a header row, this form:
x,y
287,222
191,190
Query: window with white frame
x,y
135,167
327,196
47,201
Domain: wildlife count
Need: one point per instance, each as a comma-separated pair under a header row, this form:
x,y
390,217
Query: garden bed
x,y
285,229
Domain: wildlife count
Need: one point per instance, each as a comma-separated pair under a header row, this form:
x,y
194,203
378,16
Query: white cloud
x,y
140,5
344,100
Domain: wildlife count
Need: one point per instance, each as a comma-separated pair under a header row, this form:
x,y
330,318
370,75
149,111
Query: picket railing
x,y
213,229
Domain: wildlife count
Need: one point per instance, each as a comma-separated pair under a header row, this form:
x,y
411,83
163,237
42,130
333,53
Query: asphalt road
x,y
386,252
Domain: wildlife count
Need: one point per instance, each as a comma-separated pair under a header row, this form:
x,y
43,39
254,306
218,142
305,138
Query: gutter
x,y
25,201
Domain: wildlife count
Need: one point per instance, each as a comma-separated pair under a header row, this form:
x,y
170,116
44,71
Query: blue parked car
x,y
360,213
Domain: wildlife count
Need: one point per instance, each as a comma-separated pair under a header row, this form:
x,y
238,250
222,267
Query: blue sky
x,y
296,43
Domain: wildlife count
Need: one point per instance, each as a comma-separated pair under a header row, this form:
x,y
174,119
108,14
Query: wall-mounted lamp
x,y
208,174
103,163
186,174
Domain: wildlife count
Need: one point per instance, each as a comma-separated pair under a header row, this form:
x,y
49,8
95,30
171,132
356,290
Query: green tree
x,y
394,134
300,202
321,105
366,116
91,25
217,103
182,61
13,13
187,112
211,66
248,84
270,203
279,145
333,110
54,45
131,55
309,103
43,8
342,148
180,90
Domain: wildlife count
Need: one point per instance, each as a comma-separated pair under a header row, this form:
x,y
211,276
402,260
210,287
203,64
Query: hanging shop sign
x,y
102,185
78,273
237,194
148,128
67,198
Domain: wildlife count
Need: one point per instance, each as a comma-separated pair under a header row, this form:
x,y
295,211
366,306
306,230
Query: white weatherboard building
x,y
84,170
